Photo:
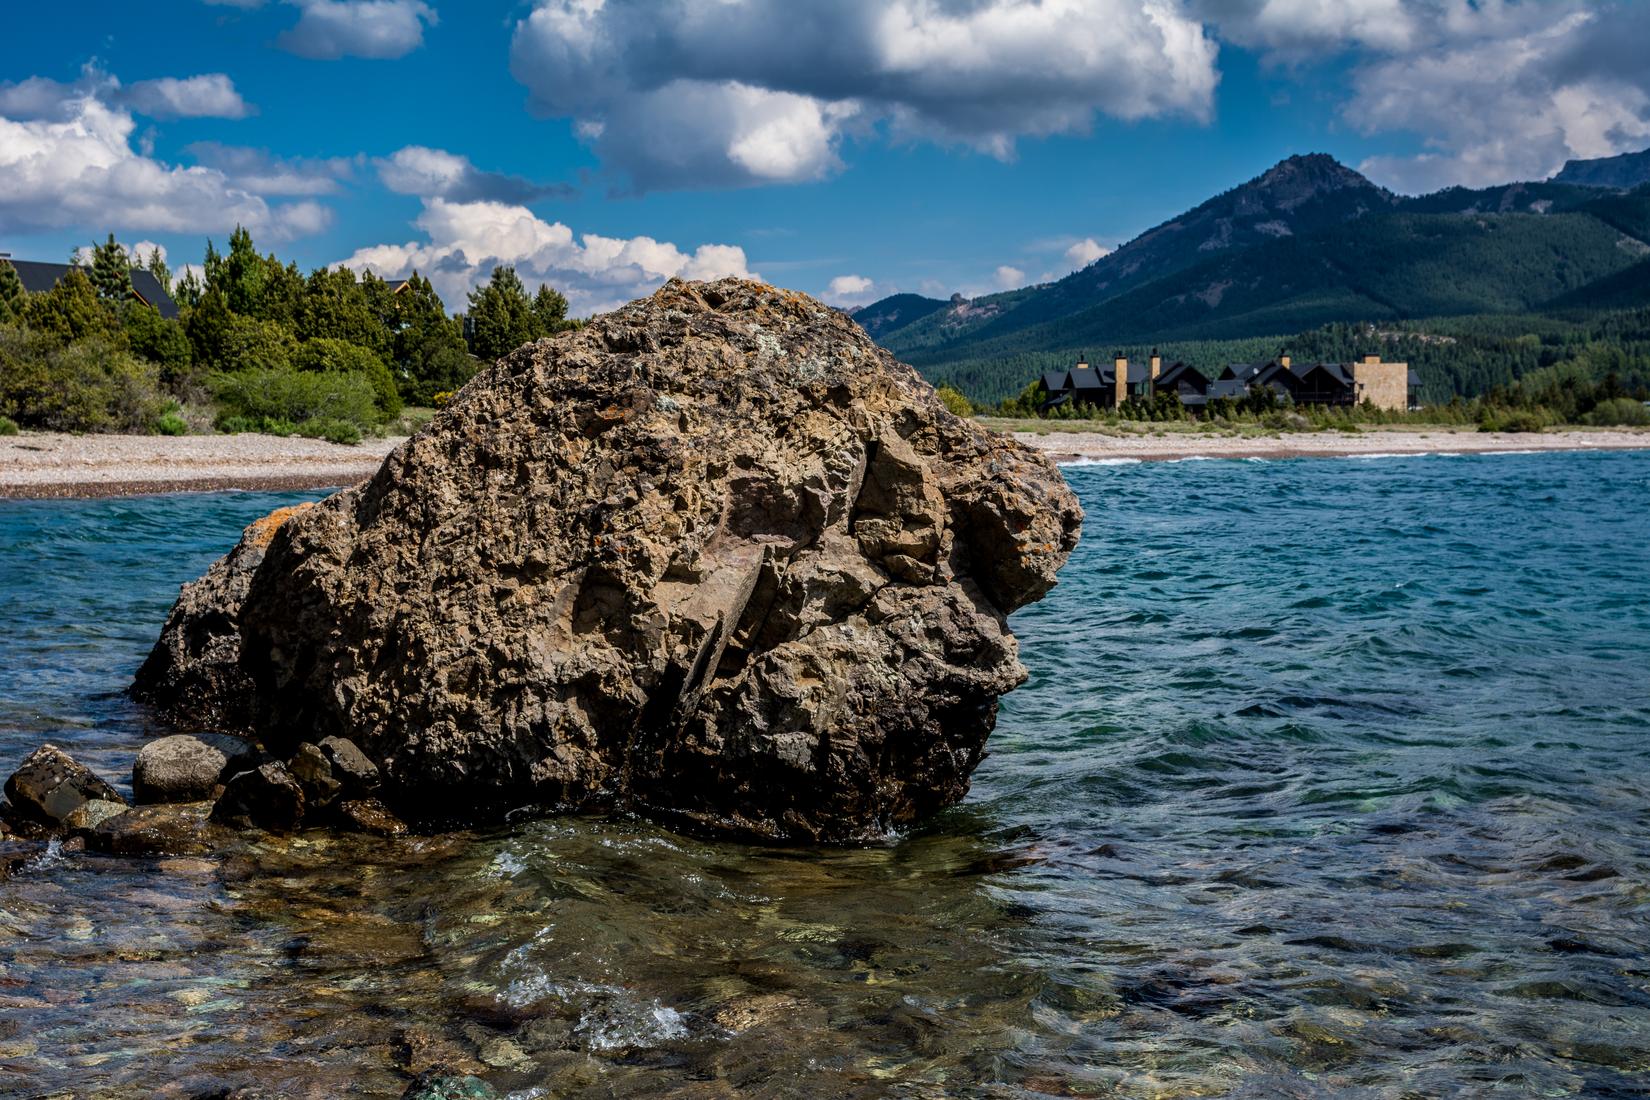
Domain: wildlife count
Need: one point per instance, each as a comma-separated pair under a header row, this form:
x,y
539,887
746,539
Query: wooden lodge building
x,y
1384,385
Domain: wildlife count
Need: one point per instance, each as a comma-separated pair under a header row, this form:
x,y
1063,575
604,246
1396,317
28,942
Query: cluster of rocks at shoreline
x,y
190,793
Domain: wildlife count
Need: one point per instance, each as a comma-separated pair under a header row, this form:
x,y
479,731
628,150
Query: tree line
x,y
257,345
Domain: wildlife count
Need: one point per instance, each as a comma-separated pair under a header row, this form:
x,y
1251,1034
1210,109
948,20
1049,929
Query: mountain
x,y
1307,243
1303,194
896,311
1625,172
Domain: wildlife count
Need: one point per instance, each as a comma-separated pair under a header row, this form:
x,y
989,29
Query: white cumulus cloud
x,y
75,167
330,29
764,91
1085,252
850,290
464,241
1008,278
419,170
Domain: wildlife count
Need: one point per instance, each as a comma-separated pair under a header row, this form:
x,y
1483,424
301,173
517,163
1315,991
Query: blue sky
x,y
848,148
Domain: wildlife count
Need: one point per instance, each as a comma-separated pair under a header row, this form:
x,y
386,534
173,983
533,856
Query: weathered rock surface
x,y
163,829
89,815
50,785
368,815
267,797
187,767
715,557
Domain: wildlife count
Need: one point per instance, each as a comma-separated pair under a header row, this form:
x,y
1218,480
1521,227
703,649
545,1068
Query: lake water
x,y
1332,779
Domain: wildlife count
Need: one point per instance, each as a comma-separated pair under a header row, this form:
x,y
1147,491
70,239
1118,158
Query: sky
x,y
847,148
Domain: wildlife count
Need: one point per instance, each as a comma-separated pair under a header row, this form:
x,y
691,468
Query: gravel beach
x,y
51,464
1079,446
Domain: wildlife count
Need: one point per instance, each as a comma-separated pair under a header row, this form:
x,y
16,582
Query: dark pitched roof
x,y
1336,372
1227,387
1055,380
38,277
1086,379
1182,372
1414,379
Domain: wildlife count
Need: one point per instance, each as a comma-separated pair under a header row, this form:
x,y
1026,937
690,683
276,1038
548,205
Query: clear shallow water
x,y
1330,780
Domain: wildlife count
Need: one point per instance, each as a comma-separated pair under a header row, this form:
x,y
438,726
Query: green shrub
x,y
171,424
235,425
339,356
333,431
1513,420
952,399
91,385
1619,412
286,398
8,426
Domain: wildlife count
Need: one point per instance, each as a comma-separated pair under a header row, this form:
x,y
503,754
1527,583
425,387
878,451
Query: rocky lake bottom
x,y
1332,779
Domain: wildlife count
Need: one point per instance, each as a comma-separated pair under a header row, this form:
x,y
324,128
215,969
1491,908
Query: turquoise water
x,y
1330,780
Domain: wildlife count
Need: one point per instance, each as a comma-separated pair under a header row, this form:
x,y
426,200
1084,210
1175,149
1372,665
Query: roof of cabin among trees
x,y
38,277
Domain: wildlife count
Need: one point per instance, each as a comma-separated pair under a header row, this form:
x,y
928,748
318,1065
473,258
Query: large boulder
x,y
715,557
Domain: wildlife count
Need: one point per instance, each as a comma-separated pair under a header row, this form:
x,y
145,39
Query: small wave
x,y
619,1029
1389,454
1085,461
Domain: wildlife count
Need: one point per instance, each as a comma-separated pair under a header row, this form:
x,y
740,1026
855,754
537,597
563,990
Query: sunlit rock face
x,y
715,557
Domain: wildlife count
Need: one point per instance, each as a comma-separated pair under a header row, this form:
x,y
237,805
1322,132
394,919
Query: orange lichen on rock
x,y
260,532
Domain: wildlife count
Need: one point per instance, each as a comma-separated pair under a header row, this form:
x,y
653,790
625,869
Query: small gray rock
x,y
437,1085
50,785
310,767
187,767
266,797
350,765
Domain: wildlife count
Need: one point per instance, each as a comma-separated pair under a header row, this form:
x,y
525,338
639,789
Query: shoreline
x,y
58,466
55,465
1072,448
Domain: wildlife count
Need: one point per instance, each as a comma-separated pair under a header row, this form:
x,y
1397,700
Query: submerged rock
x,y
266,797
439,1085
163,829
91,814
187,767
715,557
50,785
368,815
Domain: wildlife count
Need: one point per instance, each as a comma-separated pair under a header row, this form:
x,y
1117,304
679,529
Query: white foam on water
x,y
1388,454
1103,462
625,1028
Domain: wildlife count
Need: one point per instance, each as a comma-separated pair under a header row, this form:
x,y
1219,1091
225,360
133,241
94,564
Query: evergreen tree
x,y
111,272
549,312
244,275
187,293
72,311
11,294
335,307
430,354
501,316
156,266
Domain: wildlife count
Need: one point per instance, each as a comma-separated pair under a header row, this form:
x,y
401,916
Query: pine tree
x,y
244,275
501,316
156,266
111,272
187,294
11,294
549,312
72,310
430,354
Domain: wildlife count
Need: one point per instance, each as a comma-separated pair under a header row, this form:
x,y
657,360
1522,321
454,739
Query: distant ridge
x,y
1306,243
1622,172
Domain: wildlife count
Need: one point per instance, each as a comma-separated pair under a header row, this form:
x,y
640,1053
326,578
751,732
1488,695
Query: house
x,y
38,277
1384,385
1108,387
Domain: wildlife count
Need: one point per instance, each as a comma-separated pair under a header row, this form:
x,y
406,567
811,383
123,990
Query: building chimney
x,y
1285,361
1157,368
1120,374
1372,358
1082,360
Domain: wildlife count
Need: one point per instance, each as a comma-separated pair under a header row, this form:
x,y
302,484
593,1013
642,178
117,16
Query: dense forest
x,y
257,345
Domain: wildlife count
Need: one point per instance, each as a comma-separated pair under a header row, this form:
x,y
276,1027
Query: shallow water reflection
x,y
1330,781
